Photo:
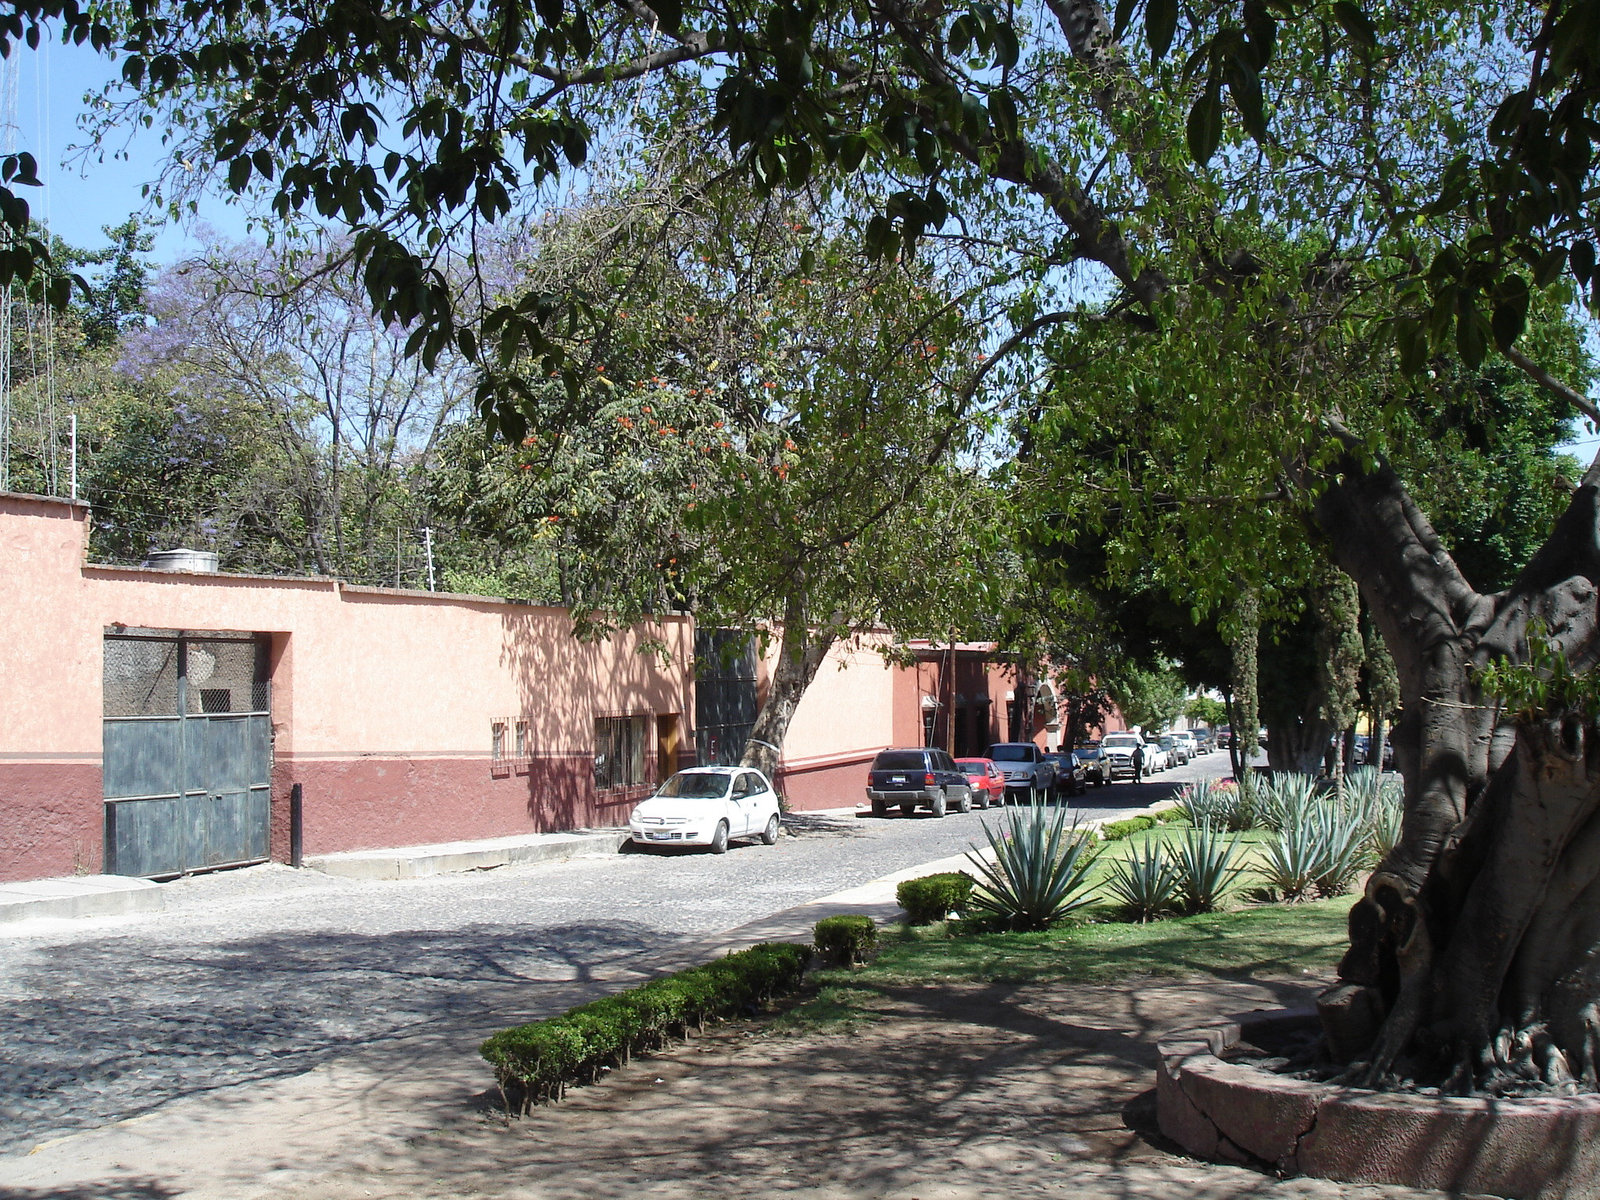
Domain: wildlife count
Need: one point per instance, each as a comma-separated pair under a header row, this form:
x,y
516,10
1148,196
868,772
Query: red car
x,y
988,781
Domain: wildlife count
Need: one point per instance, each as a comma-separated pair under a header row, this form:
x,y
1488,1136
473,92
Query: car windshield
x,y
972,766
696,785
1124,742
1022,753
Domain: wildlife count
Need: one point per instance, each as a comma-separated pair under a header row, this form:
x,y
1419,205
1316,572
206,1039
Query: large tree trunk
x,y
800,654
1298,747
1475,952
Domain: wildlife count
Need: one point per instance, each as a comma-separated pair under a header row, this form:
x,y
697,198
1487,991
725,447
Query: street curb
x,y
79,896
419,862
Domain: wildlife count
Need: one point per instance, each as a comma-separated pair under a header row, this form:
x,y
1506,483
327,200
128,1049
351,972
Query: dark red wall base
x,y
374,803
52,820
835,783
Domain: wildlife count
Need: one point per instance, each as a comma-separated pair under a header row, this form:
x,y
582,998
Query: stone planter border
x,y
1541,1148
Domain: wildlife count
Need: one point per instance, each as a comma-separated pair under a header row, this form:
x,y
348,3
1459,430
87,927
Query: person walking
x,y
1138,762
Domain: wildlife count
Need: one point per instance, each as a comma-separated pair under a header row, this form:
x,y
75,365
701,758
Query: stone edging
x,y
1544,1147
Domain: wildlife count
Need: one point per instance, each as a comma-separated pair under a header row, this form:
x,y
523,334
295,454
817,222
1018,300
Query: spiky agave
x,y
1040,869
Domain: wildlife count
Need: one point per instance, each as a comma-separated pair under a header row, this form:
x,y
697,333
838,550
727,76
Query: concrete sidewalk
x,y
75,896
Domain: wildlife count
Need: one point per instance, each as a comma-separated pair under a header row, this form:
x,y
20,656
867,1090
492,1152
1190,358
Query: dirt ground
x,y
951,1093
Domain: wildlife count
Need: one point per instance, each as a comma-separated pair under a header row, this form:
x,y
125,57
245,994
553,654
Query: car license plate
x,y
897,779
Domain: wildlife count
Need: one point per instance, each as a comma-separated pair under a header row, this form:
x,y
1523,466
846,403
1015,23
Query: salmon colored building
x,y
155,722
962,697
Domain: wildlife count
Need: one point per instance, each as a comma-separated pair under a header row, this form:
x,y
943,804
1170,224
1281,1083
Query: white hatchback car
x,y
708,806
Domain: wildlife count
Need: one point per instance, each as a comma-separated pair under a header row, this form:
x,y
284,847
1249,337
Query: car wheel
x,y
907,809
719,839
879,808
769,835
937,806
964,805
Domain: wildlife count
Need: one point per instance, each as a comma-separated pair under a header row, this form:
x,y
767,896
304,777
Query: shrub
x,y
1145,882
1115,831
845,939
536,1062
1205,867
1040,871
934,897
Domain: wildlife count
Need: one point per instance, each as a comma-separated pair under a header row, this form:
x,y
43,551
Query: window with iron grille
x,y
497,743
619,751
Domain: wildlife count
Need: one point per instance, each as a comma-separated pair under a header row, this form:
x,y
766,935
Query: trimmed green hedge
x,y
934,897
535,1062
846,938
1115,831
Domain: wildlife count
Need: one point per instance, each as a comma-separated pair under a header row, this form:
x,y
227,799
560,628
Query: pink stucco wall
x,y
846,716
382,700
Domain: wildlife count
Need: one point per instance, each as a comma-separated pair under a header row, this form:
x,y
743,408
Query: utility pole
x,y
72,476
427,546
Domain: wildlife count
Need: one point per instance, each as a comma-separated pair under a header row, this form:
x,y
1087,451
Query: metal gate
x,y
188,751
724,694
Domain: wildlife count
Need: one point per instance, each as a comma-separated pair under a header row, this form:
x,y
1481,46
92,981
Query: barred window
x,y
497,743
619,751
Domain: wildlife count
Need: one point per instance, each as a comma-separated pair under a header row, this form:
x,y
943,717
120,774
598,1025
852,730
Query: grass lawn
x,y
1249,940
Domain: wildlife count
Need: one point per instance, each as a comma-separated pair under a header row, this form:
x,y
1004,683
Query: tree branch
x,y
1553,385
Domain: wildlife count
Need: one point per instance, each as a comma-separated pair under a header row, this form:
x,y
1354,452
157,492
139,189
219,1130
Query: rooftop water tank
x,y
182,559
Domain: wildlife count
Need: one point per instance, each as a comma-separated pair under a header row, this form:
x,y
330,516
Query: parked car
x,y
1025,766
986,779
1176,749
1190,743
1156,759
920,777
1206,740
1116,752
708,806
1225,736
1094,767
1069,772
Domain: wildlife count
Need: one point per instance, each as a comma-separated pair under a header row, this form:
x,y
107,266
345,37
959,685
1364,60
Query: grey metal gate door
x,y
187,751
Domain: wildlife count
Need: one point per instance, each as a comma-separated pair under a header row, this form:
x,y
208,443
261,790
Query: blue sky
x,y
79,199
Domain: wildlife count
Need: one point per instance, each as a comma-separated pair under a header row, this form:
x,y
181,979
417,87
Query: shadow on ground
x,y
114,1036
947,1091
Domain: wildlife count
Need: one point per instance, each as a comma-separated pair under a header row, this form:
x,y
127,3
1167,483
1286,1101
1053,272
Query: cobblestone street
x,y
269,971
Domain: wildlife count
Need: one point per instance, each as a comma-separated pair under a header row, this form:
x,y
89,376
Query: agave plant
x,y
1206,868
1146,882
1360,790
1383,828
1285,799
1198,801
1292,861
1040,869
1343,836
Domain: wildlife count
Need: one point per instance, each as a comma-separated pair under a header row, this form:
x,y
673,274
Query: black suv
x,y
926,777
